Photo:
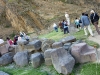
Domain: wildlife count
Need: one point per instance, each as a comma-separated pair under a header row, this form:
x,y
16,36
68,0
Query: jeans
x,y
66,29
56,29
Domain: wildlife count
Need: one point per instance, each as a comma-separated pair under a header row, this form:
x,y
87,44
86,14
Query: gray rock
x,y
47,56
3,73
36,44
67,46
57,45
21,44
46,44
48,41
47,53
45,47
31,46
62,61
37,59
21,58
78,41
68,39
48,61
4,48
83,53
6,58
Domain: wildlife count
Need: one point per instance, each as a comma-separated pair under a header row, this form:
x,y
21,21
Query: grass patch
x,y
91,43
29,70
90,69
59,35
54,35
80,35
86,69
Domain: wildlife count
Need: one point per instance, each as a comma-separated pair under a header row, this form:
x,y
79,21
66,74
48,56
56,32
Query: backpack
x,y
96,16
80,21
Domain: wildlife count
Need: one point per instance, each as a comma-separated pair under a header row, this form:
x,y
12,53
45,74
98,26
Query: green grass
x,y
90,69
86,69
91,43
54,35
80,35
29,70
59,35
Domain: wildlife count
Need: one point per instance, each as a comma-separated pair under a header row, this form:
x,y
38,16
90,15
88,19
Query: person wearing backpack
x,y
77,24
94,20
65,27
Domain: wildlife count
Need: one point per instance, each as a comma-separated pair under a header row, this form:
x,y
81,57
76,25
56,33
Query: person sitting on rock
x,y
15,39
9,41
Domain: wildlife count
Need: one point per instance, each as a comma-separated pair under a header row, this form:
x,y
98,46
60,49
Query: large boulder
x,y
21,58
4,48
68,39
48,41
62,61
45,47
47,56
47,44
3,73
33,45
57,45
83,53
6,59
37,59
21,44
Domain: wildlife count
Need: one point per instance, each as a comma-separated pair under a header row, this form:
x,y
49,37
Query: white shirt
x,y
1,41
66,15
54,25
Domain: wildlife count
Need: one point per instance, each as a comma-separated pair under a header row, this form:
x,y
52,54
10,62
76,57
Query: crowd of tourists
x,y
83,22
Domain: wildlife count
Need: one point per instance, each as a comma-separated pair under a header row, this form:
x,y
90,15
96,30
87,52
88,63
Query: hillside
x,y
38,15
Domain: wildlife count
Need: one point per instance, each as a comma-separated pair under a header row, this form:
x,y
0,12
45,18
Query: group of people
x,y
83,22
63,25
17,38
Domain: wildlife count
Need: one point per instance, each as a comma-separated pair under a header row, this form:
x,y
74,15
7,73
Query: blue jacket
x,y
85,20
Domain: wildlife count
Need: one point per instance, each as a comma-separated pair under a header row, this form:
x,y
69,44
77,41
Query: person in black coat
x,y
94,20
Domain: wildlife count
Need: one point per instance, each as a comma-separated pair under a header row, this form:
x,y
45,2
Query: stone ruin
x,y
62,54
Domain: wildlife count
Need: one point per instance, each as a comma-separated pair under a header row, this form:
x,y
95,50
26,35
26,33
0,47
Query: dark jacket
x,y
85,20
94,17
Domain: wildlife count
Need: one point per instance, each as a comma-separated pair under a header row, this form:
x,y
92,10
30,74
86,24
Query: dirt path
x,y
96,38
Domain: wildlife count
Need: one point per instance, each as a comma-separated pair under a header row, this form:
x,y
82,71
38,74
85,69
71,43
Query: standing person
x,y
67,18
77,23
61,26
86,24
55,27
94,19
65,27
